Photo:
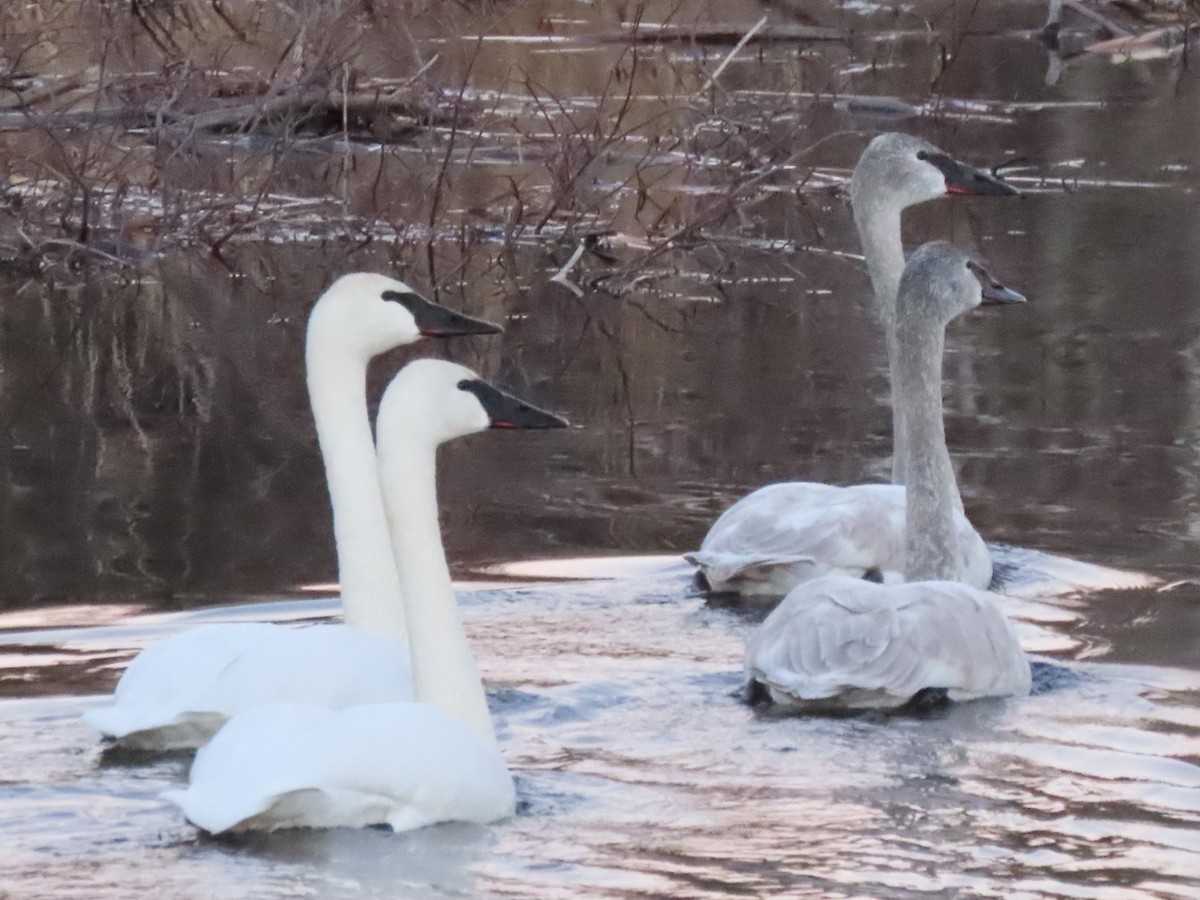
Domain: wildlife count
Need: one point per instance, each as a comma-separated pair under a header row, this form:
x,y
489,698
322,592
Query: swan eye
x,y
462,385
922,155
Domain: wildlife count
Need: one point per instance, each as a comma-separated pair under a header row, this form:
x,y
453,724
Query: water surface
x,y
160,467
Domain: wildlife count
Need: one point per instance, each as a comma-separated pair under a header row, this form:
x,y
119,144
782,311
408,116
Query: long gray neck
x,y
931,545
337,388
879,231
444,672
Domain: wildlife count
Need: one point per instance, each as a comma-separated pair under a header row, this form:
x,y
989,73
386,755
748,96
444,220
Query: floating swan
x,y
401,764
176,693
840,642
894,172
785,534
782,534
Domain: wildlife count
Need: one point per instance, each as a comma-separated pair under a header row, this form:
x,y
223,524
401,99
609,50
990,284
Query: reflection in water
x,y
640,773
161,445
160,451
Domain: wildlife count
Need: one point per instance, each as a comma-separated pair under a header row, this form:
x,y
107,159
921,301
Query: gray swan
x,y
837,642
783,534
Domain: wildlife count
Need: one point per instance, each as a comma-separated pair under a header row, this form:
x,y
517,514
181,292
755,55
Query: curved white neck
x,y
879,231
931,494
337,389
444,672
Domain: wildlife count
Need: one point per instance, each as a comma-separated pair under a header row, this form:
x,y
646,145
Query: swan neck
x,y
899,426
444,671
931,495
337,388
878,226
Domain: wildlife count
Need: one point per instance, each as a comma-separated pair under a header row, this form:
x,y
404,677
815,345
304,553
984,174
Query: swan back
x,y
402,764
790,532
841,642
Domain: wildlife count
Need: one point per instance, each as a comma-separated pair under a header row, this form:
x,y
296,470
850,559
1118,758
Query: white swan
x,y
783,534
839,642
401,764
176,693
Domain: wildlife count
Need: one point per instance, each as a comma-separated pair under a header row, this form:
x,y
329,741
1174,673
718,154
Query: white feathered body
x,y
405,765
785,534
178,692
840,642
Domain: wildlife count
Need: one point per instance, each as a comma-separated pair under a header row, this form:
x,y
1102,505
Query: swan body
x,y
177,693
404,765
785,534
843,643
840,642
767,543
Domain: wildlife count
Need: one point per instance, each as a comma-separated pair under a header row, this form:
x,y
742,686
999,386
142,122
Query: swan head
x,y
365,314
437,401
941,282
899,170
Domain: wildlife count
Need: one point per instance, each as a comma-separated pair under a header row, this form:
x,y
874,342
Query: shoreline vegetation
x,y
132,127
626,185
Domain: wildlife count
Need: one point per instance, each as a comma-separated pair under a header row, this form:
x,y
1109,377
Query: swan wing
x,y
167,680
841,641
851,530
289,765
177,692
329,666
784,534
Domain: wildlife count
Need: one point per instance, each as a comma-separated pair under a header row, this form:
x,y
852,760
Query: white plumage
x,y
290,766
176,693
404,765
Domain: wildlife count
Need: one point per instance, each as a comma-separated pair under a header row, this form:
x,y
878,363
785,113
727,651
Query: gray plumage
x,y
842,643
767,542
897,171
785,534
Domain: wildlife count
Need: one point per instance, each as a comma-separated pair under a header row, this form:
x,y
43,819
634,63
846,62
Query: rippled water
x,y
640,773
161,462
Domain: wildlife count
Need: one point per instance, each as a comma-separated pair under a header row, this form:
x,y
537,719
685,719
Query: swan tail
x,y
215,812
769,576
154,728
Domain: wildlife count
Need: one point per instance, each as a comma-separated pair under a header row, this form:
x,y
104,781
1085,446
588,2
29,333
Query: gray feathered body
x,y
785,534
842,643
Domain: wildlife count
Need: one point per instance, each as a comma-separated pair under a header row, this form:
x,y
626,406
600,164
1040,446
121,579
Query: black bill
x,y
967,180
507,411
438,321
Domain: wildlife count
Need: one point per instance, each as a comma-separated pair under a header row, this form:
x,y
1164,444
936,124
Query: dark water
x,y
159,453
